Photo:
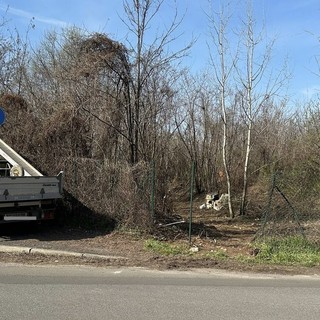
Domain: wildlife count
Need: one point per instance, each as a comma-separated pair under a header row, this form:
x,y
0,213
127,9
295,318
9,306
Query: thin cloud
x,y
29,15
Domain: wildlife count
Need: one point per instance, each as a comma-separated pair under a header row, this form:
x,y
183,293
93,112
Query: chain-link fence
x,y
289,211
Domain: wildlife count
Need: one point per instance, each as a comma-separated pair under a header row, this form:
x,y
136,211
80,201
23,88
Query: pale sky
x,y
294,24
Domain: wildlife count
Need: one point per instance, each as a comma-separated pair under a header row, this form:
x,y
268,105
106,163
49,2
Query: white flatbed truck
x,y
25,194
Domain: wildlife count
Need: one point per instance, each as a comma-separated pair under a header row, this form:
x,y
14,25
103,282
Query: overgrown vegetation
x,y
125,123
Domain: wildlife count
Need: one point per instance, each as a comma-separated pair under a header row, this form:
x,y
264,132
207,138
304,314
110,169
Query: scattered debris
x,y
194,249
214,201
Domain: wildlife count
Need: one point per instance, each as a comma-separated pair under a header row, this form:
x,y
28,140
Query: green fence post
x,y
191,201
153,182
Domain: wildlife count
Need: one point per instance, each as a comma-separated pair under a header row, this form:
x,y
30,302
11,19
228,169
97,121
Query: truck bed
x,y
15,189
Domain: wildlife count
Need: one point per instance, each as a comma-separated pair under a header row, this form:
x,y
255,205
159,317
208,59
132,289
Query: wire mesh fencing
x,y
289,212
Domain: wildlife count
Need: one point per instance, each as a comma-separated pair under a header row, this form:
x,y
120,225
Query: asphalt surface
x,y
60,292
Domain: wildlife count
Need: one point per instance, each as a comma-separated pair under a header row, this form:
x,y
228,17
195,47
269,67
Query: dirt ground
x,y
212,232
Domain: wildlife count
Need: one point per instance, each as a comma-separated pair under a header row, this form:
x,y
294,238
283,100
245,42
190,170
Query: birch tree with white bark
x,y
258,84
223,62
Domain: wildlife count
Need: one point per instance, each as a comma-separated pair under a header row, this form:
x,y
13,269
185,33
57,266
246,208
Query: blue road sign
x,y
2,117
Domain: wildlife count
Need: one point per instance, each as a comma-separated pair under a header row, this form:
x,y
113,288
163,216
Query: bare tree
x,y
14,56
197,121
147,60
257,86
219,22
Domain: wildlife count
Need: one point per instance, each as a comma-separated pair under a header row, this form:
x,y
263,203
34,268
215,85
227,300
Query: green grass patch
x,y
169,249
165,248
294,251
217,254
288,251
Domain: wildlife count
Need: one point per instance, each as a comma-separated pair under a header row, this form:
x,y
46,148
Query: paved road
x,y
90,293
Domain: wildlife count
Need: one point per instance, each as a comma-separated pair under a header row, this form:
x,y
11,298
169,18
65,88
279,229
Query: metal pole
x,y
191,201
153,179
